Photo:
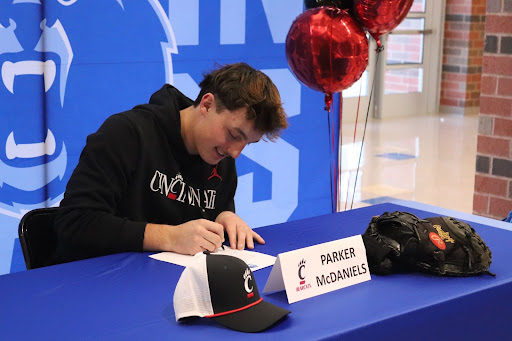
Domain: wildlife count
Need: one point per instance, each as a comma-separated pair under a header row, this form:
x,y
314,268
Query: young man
x,y
162,177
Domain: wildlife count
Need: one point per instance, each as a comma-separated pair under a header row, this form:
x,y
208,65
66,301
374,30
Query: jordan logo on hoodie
x,y
214,173
177,189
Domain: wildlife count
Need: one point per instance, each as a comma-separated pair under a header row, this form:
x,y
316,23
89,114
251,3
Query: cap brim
x,y
254,319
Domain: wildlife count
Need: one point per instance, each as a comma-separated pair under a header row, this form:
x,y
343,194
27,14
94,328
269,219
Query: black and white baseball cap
x,y
223,288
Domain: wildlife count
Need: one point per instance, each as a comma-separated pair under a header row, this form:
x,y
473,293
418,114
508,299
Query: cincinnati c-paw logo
x,y
301,273
247,282
437,240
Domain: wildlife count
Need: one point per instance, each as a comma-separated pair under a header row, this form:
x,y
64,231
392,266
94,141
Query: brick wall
x,y
462,54
493,178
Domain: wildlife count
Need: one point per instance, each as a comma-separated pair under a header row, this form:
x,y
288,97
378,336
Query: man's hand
x,y
188,238
239,233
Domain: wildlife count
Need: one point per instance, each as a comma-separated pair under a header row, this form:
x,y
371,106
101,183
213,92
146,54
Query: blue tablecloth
x,y
129,296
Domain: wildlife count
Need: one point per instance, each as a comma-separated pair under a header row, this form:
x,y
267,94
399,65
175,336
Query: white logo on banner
x,y
43,54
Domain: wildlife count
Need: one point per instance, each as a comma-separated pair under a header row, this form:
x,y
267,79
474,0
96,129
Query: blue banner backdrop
x,y
66,65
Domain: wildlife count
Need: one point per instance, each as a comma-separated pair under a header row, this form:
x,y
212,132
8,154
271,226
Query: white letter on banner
x,y
186,85
282,160
289,89
184,16
232,22
280,15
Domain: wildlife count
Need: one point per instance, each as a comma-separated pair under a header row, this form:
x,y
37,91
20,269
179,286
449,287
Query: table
x,y
129,296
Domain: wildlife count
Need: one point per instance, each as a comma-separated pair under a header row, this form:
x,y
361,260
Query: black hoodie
x,y
136,170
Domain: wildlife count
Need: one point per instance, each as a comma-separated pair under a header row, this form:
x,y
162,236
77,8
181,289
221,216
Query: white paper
x,y
255,260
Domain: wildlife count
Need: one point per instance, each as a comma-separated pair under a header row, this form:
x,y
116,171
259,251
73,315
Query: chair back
x,y
37,237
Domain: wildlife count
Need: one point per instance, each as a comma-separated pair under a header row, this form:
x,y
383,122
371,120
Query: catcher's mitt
x,y
401,242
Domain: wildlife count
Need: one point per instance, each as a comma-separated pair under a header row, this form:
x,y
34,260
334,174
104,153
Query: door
x,y
411,70
407,76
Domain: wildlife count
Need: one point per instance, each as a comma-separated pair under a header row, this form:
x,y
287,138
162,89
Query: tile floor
x,y
428,159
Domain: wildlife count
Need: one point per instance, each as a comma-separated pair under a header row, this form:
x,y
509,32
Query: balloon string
x,y
354,140
330,130
333,168
330,52
340,149
379,50
328,106
328,96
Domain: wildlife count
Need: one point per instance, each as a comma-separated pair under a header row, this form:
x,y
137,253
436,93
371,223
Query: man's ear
x,y
207,103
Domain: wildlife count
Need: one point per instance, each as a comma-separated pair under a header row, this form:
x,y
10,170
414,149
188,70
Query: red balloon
x,y
381,16
327,49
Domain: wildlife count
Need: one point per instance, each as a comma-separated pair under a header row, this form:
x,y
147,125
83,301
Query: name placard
x,y
318,269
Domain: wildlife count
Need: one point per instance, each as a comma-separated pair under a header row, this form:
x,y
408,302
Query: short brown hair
x,y
238,86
